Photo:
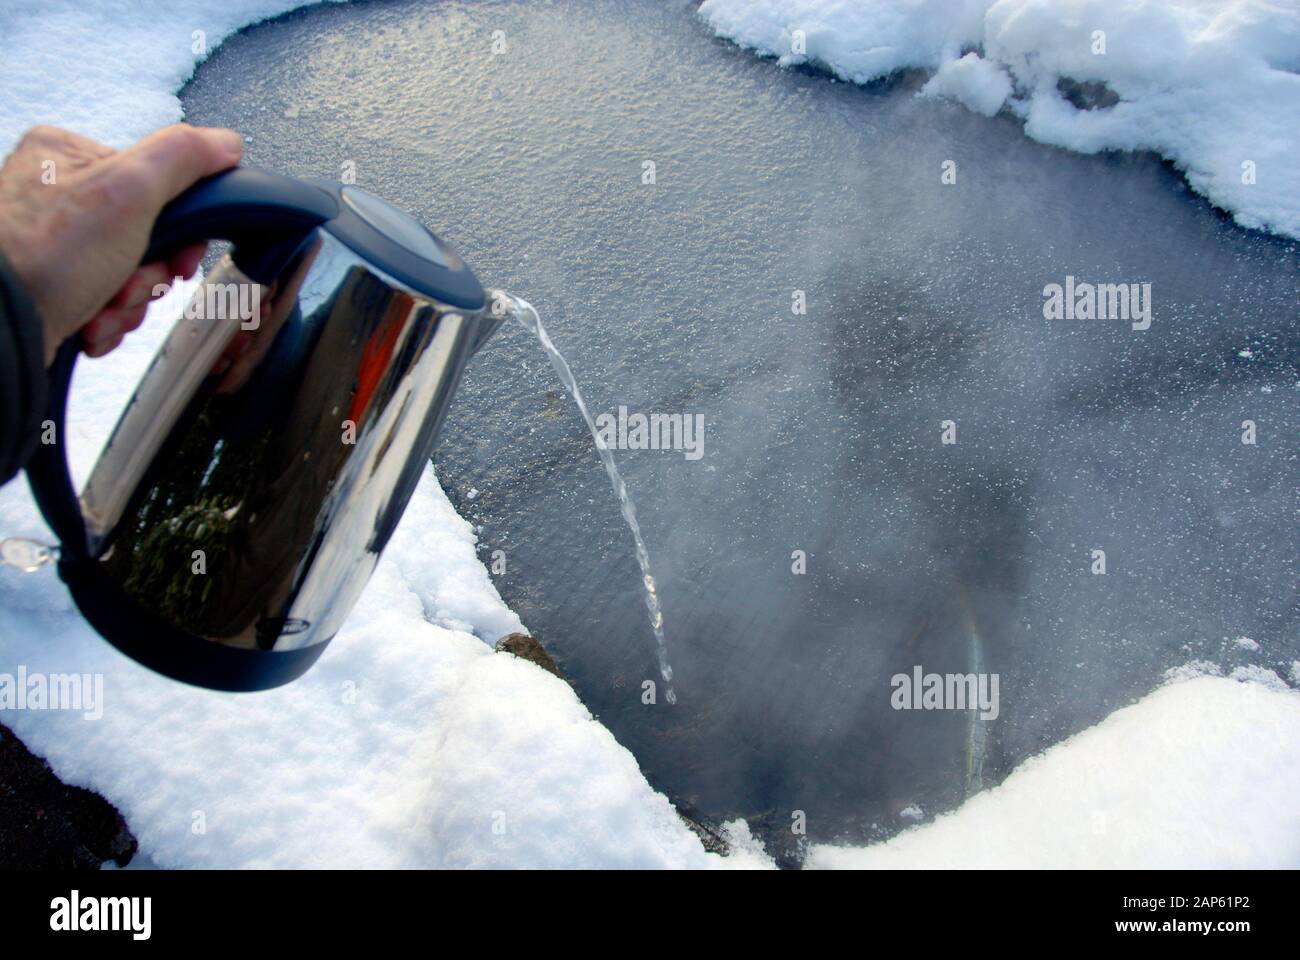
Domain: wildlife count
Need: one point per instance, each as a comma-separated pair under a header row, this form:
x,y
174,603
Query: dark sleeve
x,y
23,381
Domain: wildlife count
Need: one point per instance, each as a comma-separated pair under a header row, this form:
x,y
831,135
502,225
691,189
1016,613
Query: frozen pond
x,y
822,431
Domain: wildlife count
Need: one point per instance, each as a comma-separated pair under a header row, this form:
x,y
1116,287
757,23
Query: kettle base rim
x,y
166,649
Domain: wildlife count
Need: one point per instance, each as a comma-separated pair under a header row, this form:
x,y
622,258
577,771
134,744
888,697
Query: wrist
x,y
25,310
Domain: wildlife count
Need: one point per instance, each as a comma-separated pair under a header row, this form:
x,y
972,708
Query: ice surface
x,y
1211,85
1200,773
411,744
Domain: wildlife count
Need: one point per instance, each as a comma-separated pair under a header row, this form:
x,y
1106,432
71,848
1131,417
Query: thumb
x,y
173,158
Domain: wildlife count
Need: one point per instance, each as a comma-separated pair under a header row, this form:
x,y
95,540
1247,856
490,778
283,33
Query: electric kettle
x,y
244,497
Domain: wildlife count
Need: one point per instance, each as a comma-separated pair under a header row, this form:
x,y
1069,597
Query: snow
x,y
973,82
1201,773
1212,85
411,743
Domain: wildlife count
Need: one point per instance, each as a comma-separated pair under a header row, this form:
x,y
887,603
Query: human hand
x,y
75,219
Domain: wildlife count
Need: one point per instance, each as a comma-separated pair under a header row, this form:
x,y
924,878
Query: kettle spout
x,y
500,306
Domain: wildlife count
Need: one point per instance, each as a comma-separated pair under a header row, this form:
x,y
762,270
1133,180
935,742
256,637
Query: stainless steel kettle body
x,y
243,500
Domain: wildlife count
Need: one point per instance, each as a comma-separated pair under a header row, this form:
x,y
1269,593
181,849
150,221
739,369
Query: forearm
x,y
22,373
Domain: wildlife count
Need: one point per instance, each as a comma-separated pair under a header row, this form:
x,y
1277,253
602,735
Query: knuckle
x,y
39,136
181,137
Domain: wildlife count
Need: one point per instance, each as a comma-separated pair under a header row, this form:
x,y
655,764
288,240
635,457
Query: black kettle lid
x,y
268,216
402,247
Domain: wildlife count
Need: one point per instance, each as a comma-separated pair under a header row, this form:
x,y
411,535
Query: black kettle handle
x,y
266,216
47,470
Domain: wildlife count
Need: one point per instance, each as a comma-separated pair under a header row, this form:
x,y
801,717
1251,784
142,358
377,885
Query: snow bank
x,y
1201,773
410,743
1212,85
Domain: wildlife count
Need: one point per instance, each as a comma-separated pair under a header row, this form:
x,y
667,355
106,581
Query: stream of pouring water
x,y
528,318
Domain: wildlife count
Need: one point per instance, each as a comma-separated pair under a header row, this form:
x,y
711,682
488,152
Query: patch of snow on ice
x,y
1192,670
1258,676
973,82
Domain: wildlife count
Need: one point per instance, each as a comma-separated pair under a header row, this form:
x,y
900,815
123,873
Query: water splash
x,y
977,728
528,318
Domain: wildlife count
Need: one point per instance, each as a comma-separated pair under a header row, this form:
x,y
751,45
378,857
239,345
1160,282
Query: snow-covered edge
x,y
1201,773
1213,85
